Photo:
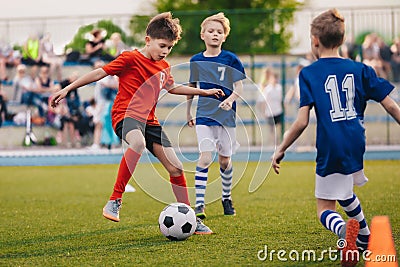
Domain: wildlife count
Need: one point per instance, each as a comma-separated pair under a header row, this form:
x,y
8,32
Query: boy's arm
x,y
187,90
237,91
291,135
391,107
189,98
90,77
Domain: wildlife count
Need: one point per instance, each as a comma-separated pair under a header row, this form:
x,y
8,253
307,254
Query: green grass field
x,y
51,216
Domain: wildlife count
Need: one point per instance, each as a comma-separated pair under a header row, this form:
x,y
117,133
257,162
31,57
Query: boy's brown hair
x,y
163,26
329,28
220,17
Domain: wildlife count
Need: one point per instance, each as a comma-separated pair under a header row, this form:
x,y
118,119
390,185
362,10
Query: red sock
x,y
179,188
126,168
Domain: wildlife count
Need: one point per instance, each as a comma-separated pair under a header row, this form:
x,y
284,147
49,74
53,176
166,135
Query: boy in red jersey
x,y
142,74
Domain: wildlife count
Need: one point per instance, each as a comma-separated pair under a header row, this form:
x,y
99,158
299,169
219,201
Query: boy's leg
x,y
206,142
328,216
168,158
200,181
353,209
348,231
127,166
226,172
227,145
129,161
174,166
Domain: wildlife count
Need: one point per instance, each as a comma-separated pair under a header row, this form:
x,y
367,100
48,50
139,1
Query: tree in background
x,y
258,26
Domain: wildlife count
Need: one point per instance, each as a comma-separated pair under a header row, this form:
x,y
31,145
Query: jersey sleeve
x,y
375,88
306,98
116,66
238,72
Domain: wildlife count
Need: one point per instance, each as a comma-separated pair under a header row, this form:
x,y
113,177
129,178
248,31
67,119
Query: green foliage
x,y
52,217
257,26
80,39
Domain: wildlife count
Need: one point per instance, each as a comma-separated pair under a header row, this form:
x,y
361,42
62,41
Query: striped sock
x,y
353,209
200,181
332,221
226,179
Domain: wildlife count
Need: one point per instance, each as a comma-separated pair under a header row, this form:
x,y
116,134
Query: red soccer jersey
x,y
140,82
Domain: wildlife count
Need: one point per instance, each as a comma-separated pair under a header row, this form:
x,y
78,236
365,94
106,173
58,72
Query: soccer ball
x,y
177,221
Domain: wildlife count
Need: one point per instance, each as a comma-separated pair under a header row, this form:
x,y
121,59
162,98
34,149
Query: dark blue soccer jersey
x,y
339,89
220,72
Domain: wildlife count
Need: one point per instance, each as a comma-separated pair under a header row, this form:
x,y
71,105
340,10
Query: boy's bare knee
x,y
175,171
137,145
136,141
224,164
205,160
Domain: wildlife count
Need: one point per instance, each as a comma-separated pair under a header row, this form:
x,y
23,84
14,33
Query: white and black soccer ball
x,y
177,221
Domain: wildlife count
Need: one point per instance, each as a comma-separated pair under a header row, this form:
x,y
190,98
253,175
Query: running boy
x,y
216,117
338,89
142,74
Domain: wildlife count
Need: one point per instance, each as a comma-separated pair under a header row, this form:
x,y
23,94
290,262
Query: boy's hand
x,y
226,104
57,97
190,120
276,160
215,92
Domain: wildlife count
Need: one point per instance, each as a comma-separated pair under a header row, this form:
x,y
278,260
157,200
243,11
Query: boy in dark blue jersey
x,y
338,89
215,118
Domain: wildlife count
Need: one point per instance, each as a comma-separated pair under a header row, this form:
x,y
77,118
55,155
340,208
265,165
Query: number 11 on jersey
x,y
338,113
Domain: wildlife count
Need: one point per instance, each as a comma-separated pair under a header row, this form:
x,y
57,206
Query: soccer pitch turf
x,y
51,216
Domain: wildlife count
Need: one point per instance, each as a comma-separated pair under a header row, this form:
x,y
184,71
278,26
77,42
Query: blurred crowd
x,y
38,72
375,52
39,51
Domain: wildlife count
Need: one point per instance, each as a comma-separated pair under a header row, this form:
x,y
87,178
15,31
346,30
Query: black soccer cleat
x,y
228,207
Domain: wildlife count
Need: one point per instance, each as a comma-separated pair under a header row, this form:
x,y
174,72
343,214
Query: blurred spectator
x,y
115,46
90,113
370,53
73,100
31,52
265,76
108,136
21,83
46,50
349,49
385,55
293,94
8,58
95,47
66,135
109,91
45,85
104,90
270,101
25,89
3,105
395,60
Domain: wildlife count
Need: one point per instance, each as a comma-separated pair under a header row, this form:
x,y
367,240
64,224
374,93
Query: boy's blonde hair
x,y
163,26
220,17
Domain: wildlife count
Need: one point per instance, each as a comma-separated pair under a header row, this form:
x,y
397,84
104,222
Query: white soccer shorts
x,y
338,186
217,138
